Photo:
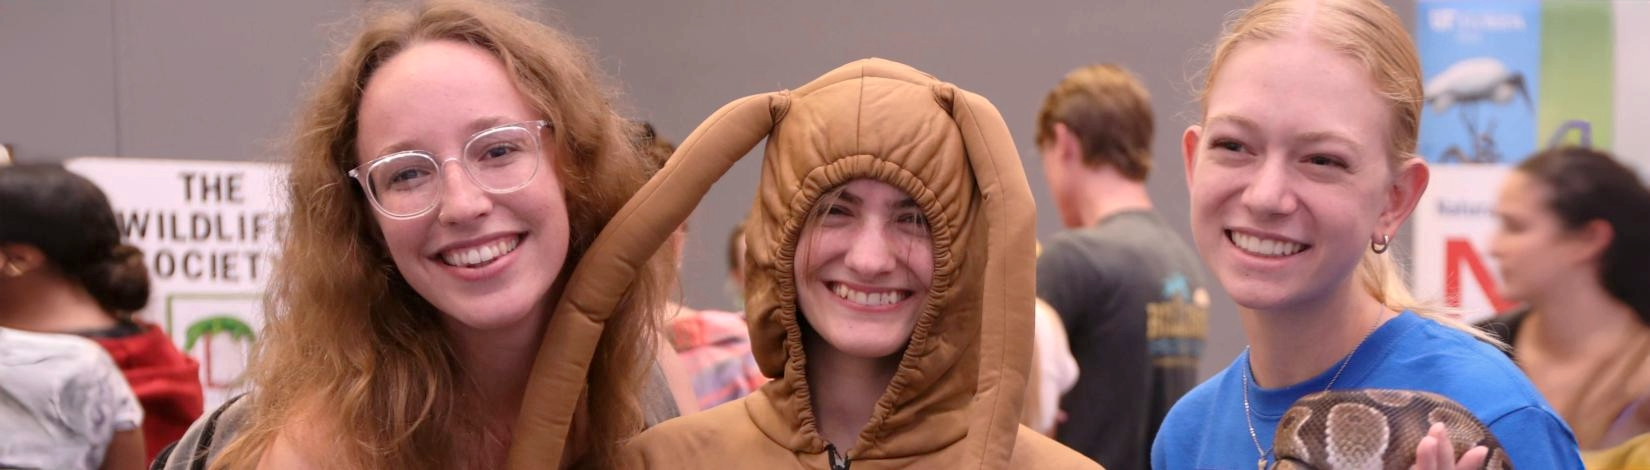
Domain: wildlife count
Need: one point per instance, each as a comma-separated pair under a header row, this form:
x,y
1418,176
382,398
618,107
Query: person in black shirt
x,y
1128,289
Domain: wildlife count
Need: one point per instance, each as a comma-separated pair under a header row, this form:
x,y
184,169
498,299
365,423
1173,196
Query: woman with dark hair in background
x,y
66,271
1574,246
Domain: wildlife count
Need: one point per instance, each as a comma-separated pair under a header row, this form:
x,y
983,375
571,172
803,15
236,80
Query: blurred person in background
x,y
1574,248
69,272
63,402
713,347
1052,375
64,405
1129,289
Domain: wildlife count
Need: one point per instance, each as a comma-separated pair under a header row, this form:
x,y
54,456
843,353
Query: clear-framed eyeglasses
x,y
407,184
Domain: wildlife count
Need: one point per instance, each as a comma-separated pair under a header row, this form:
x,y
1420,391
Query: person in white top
x,y
1056,370
62,403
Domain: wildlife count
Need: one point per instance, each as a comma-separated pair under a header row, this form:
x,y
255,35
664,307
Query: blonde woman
x,y
1301,171
448,174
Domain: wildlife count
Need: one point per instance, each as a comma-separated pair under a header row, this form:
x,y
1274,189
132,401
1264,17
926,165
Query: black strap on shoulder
x,y
160,458
197,459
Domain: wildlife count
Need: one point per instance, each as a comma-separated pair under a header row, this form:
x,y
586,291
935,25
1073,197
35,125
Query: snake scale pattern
x,y
1374,429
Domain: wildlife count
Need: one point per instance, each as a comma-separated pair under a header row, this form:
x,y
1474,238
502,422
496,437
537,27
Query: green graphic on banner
x,y
1578,75
1505,79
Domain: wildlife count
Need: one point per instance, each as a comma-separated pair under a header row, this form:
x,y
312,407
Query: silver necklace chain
x,y
1248,415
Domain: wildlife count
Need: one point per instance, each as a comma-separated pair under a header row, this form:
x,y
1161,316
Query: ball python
x,y
1374,429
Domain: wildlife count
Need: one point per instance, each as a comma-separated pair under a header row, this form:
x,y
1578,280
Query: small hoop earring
x,y
1381,246
13,270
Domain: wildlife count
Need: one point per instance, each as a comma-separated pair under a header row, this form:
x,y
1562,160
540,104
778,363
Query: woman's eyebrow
x,y
1235,120
1328,136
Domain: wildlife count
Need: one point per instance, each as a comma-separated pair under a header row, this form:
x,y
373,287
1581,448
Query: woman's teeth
x,y
479,255
1264,246
870,299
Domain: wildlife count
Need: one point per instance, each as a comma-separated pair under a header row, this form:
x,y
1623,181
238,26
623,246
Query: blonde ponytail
x,y
1382,277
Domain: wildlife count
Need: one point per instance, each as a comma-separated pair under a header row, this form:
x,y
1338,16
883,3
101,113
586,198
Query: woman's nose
x,y
870,252
1269,192
461,199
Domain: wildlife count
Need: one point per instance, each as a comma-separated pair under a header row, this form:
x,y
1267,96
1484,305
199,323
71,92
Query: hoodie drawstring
x,y
838,462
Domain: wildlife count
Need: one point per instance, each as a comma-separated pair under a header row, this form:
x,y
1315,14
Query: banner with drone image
x,y
1503,80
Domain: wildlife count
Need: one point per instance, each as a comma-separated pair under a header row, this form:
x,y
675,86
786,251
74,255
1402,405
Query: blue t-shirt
x,y
1206,429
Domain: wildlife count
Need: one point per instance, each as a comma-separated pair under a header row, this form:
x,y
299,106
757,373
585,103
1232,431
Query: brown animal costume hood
x,y
956,397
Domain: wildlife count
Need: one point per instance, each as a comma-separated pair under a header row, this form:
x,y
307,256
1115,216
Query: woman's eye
x,y
834,216
1228,145
914,225
1325,160
407,175
499,151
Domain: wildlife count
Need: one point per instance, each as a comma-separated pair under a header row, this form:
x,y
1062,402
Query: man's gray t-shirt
x,y
1131,294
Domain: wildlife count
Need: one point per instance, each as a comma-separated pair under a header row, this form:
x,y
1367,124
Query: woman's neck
x,y
496,364
52,305
1290,346
845,389
1577,321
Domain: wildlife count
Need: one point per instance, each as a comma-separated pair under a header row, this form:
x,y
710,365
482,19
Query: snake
x,y
1374,429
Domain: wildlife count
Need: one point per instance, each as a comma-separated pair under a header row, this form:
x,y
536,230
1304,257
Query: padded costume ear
x,y
1010,282
610,266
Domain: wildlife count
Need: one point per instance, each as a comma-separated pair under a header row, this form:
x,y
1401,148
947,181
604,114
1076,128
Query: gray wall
x,y
220,80
194,79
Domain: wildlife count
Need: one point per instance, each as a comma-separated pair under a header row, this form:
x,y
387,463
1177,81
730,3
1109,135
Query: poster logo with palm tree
x,y
217,330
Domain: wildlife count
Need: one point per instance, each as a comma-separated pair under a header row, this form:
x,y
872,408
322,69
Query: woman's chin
x,y
1260,298
489,319
870,348
1514,292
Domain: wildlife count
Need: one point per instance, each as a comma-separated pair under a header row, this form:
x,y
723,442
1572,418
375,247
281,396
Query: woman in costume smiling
x,y
889,280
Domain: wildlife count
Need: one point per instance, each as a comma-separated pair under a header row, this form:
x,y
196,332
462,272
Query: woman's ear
x,y
1595,237
1188,150
18,258
1408,183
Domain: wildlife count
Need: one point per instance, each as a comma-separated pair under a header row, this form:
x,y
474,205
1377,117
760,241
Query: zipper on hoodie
x,y
838,461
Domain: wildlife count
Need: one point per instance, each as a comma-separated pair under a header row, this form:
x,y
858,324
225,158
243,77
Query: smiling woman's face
x,y
1290,173
864,264
486,260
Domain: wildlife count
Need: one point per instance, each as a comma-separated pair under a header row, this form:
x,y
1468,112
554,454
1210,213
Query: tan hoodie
x,y
955,400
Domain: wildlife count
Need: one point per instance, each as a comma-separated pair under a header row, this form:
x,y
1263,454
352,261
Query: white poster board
x,y
1632,82
209,231
1453,226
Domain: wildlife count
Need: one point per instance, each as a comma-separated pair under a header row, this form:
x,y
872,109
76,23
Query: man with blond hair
x,y
1127,287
